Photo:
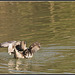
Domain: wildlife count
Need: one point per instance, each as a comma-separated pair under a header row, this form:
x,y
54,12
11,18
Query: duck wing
x,y
13,46
34,47
6,44
28,53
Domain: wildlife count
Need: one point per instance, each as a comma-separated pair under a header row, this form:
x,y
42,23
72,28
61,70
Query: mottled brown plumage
x,y
19,49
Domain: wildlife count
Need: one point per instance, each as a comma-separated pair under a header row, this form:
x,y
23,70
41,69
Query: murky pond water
x,y
50,23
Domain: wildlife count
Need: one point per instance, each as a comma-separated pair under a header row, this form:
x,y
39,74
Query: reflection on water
x,y
15,65
50,23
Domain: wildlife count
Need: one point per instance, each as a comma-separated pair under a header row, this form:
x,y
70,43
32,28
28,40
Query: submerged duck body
x,y
19,49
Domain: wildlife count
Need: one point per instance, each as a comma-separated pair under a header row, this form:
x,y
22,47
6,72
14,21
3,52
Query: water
x,y
50,23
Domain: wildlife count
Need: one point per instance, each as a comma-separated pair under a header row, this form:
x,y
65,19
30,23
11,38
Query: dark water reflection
x,y
51,24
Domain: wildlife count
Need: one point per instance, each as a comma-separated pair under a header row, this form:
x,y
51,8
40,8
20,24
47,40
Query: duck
x,y
19,49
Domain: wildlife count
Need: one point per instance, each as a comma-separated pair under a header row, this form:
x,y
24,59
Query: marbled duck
x,y
19,49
